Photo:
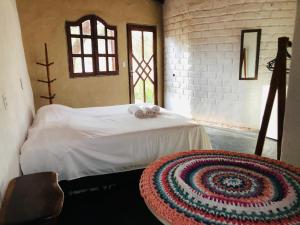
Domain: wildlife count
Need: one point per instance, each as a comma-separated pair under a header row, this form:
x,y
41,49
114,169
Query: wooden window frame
x,y
94,42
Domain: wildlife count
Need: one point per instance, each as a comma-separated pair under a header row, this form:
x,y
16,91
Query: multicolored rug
x,y
221,187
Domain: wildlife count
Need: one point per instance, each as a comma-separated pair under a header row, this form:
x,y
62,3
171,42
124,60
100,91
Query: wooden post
x,y
278,82
50,96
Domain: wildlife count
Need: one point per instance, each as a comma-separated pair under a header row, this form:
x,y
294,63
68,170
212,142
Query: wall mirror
x,y
249,55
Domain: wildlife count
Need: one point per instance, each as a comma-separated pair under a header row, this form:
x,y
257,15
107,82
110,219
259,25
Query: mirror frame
x,y
258,31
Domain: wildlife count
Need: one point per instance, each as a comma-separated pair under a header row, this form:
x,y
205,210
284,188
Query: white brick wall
x,y
202,49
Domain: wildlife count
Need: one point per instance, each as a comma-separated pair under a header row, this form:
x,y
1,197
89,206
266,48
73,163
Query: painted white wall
x,y
202,49
15,90
291,140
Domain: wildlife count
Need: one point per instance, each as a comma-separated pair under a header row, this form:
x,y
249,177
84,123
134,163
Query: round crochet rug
x,y
221,187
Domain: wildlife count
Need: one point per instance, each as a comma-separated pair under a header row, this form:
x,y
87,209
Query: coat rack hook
x,y
49,81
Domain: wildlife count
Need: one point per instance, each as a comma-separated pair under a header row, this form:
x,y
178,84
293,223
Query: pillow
x,y
52,115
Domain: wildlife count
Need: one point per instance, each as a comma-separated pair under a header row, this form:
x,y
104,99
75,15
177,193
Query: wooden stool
x,y
32,199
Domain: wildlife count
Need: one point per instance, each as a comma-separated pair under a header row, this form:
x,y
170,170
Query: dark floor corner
x,y
116,205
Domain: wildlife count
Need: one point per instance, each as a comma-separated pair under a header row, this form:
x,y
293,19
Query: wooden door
x,y
142,50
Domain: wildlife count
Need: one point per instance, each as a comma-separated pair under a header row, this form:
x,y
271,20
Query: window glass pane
x,y
100,29
76,45
86,27
135,78
77,65
75,30
102,64
150,70
111,46
139,91
135,75
148,45
139,71
110,33
88,64
149,86
137,44
111,63
87,46
144,76
101,46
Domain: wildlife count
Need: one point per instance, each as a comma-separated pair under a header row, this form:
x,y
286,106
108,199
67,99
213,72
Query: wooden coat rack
x,y
47,65
278,83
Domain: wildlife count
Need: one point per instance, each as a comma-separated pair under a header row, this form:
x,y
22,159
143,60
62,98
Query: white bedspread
x,y
92,141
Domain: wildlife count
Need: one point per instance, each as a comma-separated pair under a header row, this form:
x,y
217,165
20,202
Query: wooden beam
x,y
278,83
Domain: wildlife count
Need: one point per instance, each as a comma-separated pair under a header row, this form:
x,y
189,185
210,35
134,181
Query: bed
x,y
85,142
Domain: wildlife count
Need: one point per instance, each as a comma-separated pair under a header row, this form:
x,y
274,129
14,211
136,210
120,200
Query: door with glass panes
x,y
142,48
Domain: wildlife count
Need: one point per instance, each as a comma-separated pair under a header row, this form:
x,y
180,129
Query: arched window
x,y
92,47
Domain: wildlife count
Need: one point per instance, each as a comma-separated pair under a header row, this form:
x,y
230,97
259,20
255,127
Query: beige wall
x,y
17,115
44,21
291,140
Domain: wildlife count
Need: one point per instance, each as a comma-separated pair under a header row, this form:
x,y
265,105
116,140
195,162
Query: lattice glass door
x,y
142,63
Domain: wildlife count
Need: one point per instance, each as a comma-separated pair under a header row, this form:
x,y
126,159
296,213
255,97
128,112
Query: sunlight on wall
x,y
178,101
202,49
180,105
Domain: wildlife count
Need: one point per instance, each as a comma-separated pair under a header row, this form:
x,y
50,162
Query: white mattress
x,y
92,141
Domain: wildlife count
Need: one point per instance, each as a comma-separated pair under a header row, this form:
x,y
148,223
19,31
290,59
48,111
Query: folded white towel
x,y
148,112
144,110
155,108
136,111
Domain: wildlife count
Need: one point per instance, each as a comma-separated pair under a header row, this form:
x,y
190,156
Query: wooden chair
x,y
32,199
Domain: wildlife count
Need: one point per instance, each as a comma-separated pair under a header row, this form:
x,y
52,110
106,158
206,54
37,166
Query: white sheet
x,y
92,141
